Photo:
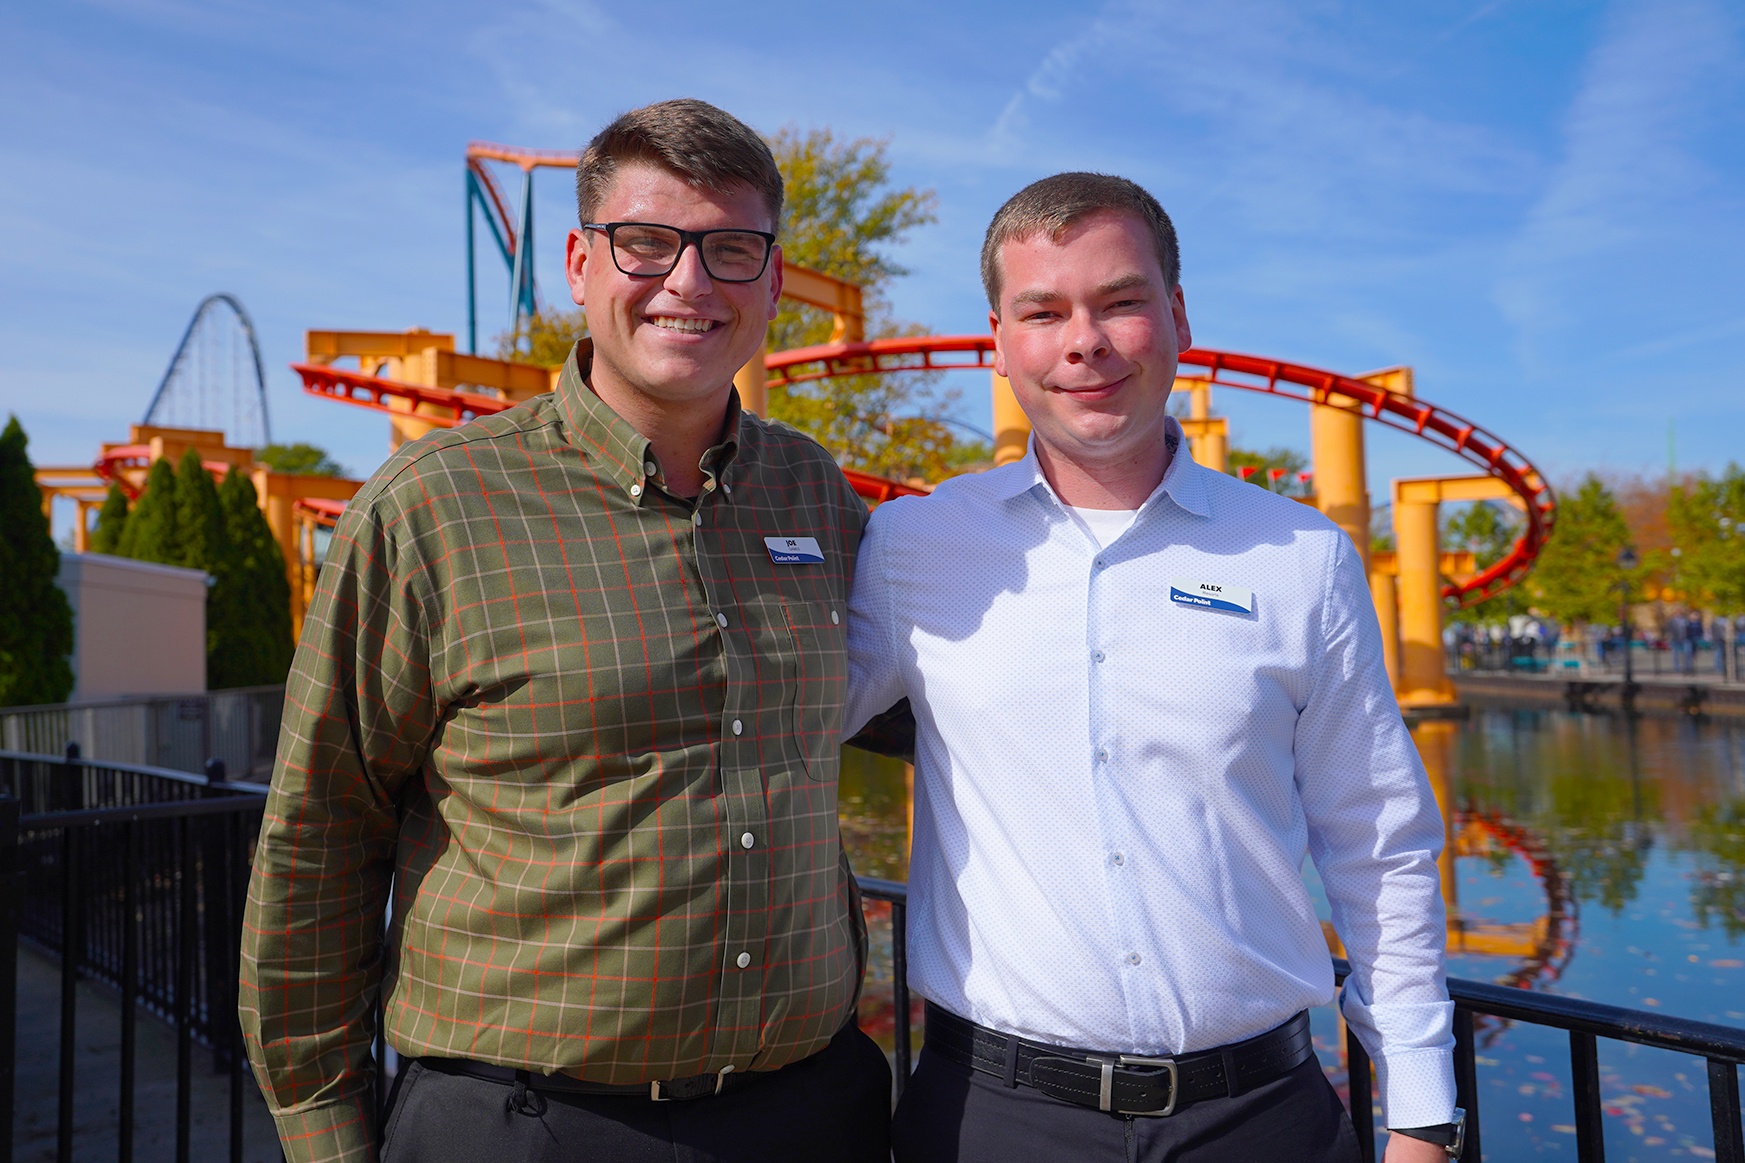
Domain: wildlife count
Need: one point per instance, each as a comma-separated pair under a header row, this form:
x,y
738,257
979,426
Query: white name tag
x,y
794,550
1211,596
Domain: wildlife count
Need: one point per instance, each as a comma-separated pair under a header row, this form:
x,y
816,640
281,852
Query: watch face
x,y
1455,1148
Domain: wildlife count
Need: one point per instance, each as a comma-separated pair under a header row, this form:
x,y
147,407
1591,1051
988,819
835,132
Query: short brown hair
x,y
1052,205
707,147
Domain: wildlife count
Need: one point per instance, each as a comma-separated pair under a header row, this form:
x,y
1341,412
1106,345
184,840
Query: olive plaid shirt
x,y
588,731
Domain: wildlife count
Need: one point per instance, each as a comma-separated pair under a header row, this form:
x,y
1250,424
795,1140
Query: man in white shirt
x,y
1143,692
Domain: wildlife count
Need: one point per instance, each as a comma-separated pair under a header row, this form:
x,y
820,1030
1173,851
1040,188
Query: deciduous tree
x,y
307,459
1577,576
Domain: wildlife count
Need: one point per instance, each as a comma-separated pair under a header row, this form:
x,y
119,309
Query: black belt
x,y
666,1090
1123,1084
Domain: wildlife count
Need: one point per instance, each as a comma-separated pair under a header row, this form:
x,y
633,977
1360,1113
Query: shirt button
x,y
743,960
1117,860
1100,563
747,840
1096,656
649,467
835,618
738,727
636,490
1102,755
721,620
697,518
1132,959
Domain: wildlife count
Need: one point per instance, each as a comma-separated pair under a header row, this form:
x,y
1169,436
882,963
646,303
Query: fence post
x,y
66,795
11,894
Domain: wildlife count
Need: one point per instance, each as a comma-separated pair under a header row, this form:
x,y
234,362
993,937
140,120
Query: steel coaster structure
x,y
1441,427
188,393
513,235
1449,431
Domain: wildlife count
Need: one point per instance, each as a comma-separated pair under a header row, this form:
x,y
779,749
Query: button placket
x,y
744,894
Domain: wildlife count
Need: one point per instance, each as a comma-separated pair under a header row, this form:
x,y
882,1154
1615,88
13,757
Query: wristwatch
x,y
1451,1137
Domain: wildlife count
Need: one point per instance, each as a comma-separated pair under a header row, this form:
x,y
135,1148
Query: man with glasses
x,y
572,686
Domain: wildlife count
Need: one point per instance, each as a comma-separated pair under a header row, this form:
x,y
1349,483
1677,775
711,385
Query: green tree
x,y
1277,469
544,338
1706,521
36,621
111,521
199,520
840,218
1577,576
153,531
1487,531
256,615
307,459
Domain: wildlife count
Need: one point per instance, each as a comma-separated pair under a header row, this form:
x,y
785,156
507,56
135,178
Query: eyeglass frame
x,y
690,238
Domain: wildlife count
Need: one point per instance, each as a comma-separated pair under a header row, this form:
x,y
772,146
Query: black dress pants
x,y
950,1114
832,1106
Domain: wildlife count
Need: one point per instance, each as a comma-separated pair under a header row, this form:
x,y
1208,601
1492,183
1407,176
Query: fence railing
x,y
132,877
1711,661
140,873
1722,1047
240,727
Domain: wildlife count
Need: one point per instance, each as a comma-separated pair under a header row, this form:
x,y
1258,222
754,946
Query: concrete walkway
x,y
98,1082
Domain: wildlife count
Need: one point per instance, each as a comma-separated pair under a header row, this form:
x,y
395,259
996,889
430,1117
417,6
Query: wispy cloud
x,y
1631,166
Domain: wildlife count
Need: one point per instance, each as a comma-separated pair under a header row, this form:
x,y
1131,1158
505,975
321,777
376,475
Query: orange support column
x,y
752,380
1336,446
1384,592
1208,435
1422,678
1011,425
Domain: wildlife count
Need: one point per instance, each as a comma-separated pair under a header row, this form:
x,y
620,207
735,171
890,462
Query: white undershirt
x,y
1104,525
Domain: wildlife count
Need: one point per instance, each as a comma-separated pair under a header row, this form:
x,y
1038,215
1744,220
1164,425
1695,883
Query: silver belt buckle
x,y
1108,1086
654,1094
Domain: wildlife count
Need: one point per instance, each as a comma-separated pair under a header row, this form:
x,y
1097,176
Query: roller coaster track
x,y
1453,433
375,393
1478,446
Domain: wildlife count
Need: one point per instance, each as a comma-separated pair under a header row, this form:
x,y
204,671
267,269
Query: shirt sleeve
x,y
1374,834
359,715
875,676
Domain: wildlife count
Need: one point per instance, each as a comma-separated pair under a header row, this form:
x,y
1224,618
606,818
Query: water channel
x,y
1592,856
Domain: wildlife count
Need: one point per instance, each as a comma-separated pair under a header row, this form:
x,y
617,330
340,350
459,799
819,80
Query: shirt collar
x,y
1183,482
621,450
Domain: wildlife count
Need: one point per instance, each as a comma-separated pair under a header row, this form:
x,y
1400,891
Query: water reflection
x,y
1588,855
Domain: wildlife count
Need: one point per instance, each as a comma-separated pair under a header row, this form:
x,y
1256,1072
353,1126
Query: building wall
x,y
138,628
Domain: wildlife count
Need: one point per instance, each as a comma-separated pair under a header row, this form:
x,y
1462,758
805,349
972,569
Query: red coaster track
x,y
1480,447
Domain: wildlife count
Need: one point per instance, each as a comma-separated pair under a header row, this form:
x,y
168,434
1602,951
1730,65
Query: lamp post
x,y
1627,561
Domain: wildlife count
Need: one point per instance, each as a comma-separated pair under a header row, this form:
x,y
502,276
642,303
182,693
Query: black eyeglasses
x,y
647,250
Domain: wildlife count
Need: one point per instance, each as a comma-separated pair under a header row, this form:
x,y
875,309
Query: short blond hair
x,y
1054,204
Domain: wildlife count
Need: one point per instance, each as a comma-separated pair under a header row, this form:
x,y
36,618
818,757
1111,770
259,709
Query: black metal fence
x,y
132,877
1722,1047
140,874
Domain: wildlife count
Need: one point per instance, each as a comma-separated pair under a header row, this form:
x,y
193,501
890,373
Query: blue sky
x,y
1538,205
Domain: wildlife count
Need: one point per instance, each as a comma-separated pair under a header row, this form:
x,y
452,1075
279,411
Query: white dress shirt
x,y
1115,792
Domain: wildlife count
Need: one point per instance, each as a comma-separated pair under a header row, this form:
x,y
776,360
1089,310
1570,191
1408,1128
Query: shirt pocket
x,y
821,683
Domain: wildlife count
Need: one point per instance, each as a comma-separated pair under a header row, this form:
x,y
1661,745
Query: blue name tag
x,y
1211,596
794,550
